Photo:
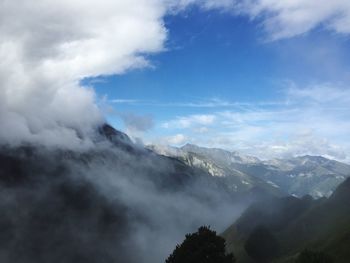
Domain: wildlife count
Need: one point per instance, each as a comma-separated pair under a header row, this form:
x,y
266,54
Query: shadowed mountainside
x,y
322,224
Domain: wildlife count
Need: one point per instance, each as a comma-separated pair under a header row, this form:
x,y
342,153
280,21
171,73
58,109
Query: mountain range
x,y
106,203
298,176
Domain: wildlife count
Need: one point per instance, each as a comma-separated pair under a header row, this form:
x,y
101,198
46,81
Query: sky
x,y
221,82
268,78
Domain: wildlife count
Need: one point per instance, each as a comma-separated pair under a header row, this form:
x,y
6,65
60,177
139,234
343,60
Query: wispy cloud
x,y
204,103
174,140
125,101
284,19
311,120
322,94
135,122
190,121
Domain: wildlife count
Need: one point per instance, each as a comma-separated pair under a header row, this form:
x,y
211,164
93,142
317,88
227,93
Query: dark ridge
x,y
321,224
342,193
114,135
120,139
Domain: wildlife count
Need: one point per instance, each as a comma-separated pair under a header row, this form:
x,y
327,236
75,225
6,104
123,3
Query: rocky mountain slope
x,y
219,164
313,175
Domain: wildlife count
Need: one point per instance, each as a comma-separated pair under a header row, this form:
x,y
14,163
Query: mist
x,y
115,203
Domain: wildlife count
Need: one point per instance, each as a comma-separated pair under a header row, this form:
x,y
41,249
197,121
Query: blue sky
x,y
264,77
221,81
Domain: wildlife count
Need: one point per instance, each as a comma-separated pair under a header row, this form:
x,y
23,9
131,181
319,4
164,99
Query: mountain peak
x,y
112,134
316,158
116,137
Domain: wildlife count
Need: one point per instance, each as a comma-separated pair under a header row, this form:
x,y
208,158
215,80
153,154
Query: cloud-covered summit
x,y
47,47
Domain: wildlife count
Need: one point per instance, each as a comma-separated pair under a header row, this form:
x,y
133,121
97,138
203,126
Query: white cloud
x,y
205,103
190,121
47,47
297,144
325,93
201,130
286,18
125,101
175,140
206,4
313,120
304,144
136,123
283,19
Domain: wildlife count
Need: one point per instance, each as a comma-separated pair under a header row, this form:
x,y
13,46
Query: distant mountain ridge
x,y
298,176
218,163
220,154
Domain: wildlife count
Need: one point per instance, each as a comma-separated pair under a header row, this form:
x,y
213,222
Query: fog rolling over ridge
x,y
72,189
75,189
47,48
117,202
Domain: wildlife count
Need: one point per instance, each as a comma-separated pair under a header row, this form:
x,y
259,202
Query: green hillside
x,y
297,224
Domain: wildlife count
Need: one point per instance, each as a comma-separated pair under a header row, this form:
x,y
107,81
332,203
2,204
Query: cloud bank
x,y
47,48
